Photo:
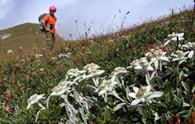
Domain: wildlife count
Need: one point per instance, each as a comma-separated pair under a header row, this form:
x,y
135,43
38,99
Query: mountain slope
x,y
25,35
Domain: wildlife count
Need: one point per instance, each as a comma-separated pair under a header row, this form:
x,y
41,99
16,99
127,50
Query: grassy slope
x,y
109,51
26,35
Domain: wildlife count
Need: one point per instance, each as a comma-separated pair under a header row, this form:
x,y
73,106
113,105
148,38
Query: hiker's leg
x,y
52,40
48,40
46,34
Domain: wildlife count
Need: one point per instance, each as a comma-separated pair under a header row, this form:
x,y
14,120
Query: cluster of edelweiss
x,y
103,86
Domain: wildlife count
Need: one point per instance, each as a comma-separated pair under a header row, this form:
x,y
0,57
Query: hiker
x,y
47,25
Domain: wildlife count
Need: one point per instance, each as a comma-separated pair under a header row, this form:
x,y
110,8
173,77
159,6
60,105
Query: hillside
x,y
104,80
27,36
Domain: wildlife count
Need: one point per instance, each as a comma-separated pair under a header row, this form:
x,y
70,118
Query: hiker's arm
x,y
44,22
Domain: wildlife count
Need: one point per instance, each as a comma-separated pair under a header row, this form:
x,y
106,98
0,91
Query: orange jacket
x,y
50,20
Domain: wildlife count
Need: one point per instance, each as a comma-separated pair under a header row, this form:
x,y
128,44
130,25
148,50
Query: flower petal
x,y
135,102
135,89
164,58
150,68
138,67
190,55
155,95
133,95
102,92
167,42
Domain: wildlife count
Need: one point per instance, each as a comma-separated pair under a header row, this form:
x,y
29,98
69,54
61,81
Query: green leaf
x,y
107,114
117,107
185,86
185,113
163,119
169,98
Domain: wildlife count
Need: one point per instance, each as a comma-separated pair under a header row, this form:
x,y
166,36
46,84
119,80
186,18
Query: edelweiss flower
x,y
156,116
119,70
106,85
159,54
91,71
157,57
182,56
34,99
174,37
91,68
61,88
144,94
58,90
189,45
142,65
75,72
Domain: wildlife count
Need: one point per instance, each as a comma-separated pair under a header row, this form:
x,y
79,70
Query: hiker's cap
x,y
52,8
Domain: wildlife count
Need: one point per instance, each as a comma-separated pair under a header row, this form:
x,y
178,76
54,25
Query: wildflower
x,y
149,55
181,56
158,57
38,56
58,90
106,85
159,54
141,65
156,116
189,45
61,88
119,70
90,68
174,37
91,71
61,55
10,51
9,109
7,95
144,94
34,99
75,72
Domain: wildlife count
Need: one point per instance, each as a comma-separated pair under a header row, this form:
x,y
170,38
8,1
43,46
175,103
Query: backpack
x,y
40,21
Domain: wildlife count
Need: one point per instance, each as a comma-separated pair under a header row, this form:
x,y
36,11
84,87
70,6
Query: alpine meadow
x,y
140,75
